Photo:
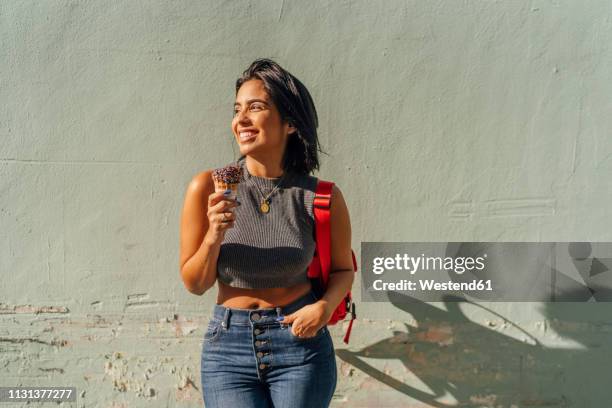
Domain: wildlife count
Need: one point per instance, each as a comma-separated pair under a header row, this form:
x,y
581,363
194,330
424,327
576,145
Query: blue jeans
x,y
249,360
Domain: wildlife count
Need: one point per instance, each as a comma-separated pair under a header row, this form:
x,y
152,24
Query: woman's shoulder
x,y
305,181
336,193
313,181
202,182
310,182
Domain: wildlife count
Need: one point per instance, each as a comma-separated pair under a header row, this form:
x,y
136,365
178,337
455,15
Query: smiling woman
x,y
267,344
259,130
255,105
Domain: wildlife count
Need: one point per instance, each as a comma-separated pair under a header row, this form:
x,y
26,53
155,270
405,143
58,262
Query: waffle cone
x,y
222,186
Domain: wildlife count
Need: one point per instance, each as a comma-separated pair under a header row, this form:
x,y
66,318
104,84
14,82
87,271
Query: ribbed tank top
x,y
274,249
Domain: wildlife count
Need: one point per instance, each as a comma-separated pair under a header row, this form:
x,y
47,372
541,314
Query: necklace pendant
x,y
264,207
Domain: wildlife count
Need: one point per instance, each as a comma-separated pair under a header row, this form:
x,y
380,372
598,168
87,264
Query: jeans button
x,y
258,343
259,354
262,366
255,316
257,331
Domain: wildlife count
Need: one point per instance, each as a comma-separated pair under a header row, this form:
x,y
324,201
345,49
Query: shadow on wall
x,y
478,366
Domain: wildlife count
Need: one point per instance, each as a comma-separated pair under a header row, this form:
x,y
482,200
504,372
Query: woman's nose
x,y
241,115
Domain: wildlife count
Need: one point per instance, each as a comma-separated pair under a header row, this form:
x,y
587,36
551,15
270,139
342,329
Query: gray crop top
x,y
274,249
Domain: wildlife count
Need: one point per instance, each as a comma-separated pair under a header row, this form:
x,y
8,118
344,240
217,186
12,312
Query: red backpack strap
x,y
322,215
321,208
348,331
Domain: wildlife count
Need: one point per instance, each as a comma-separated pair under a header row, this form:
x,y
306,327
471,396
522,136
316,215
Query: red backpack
x,y
320,267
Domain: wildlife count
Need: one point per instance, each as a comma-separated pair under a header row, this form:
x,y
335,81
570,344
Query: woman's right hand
x,y
221,216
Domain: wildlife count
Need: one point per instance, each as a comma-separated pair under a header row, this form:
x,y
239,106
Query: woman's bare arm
x,y
342,273
200,241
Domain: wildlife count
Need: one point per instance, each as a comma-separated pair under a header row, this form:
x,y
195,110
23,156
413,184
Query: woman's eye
x,y
254,106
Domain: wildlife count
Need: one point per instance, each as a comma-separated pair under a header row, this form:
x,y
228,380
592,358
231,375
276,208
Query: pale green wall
x,y
444,121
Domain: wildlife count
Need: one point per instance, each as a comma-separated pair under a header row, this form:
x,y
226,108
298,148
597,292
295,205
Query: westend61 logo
x,y
412,264
488,271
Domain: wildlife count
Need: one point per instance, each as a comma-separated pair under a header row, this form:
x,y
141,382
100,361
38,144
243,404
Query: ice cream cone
x,y
228,178
222,186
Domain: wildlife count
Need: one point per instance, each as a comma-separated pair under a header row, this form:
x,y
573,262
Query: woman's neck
x,y
266,168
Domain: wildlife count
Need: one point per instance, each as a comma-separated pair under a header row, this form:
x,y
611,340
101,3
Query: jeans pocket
x,y
213,331
317,336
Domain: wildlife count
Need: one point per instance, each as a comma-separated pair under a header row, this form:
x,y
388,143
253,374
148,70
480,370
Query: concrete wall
x,y
435,115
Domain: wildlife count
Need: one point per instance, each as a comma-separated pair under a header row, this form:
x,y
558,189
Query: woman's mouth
x,y
248,136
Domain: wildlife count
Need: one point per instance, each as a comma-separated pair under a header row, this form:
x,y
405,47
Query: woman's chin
x,y
247,148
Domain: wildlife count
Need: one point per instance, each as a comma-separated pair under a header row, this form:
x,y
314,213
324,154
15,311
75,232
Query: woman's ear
x,y
291,129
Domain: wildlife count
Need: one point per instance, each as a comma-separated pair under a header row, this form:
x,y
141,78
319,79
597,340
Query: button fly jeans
x,y
249,360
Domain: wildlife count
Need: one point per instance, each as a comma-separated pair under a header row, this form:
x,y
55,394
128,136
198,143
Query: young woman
x,y
267,343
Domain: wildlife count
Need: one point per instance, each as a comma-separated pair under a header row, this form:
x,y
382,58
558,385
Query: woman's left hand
x,y
307,320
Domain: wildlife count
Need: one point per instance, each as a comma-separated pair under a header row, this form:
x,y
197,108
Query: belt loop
x,y
225,322
278,314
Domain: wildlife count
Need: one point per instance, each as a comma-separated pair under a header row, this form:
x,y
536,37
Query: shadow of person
x,y
463,363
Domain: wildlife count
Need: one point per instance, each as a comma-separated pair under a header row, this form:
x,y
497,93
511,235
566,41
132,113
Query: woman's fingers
x,y
301,332
226,217
219,224
220,203
215,197
222,206
221,211
300,325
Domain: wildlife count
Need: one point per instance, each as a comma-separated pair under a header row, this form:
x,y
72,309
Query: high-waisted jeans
x,y
249,360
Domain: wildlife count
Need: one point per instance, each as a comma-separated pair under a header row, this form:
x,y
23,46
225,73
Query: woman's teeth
x,y
246,136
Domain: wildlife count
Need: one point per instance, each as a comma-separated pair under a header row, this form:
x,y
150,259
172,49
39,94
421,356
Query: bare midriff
x,y
241,298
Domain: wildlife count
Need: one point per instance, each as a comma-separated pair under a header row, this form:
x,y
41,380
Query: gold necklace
x,y
264,206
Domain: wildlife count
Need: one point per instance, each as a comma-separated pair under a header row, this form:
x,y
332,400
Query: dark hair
x,y
295,105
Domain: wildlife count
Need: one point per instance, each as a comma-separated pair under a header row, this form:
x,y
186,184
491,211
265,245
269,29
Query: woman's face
x,y
257,125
